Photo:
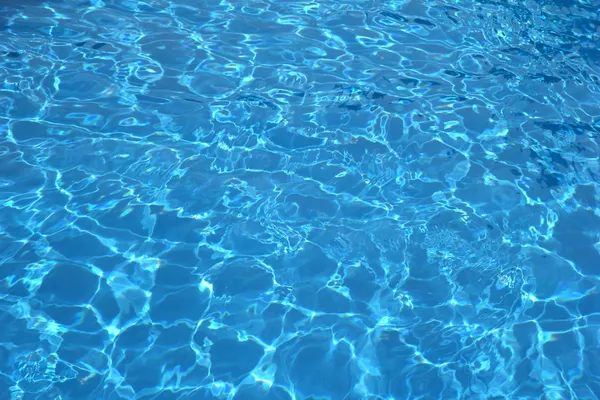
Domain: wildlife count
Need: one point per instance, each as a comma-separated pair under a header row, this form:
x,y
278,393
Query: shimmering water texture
x,y
293,200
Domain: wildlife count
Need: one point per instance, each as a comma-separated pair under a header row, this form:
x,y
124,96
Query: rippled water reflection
x,y
299,200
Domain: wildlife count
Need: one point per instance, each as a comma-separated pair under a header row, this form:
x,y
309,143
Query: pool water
x,y
290,200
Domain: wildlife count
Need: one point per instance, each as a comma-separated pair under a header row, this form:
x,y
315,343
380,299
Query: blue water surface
x,y
299,200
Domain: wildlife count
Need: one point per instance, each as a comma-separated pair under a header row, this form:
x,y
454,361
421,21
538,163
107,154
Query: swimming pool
x,y
299,200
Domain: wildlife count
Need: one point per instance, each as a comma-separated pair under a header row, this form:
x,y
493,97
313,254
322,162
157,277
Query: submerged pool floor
x,y
298,200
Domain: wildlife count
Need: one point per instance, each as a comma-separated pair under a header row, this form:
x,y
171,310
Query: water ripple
x,y
299,200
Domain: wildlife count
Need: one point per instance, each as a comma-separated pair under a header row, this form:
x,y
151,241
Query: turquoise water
x,y
289,200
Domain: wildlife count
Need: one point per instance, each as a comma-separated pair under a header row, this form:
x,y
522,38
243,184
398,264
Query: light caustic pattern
x,y
299,200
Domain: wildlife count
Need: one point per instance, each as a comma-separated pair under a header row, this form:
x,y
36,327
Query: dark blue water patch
x,y
227,364
68,283
190,304
77,245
